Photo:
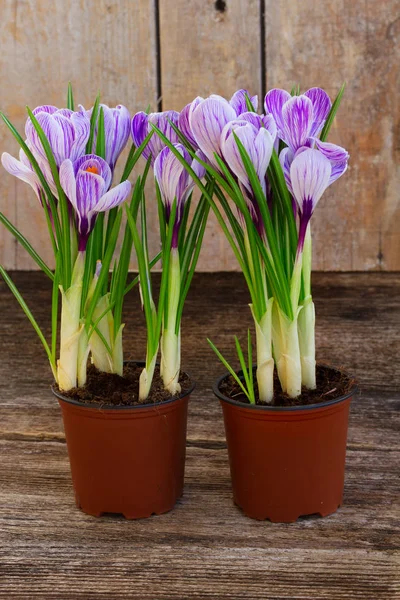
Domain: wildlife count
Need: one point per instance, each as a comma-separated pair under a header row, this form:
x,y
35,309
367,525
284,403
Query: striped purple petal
x,y
297,115
286,158
183,121
117,127
258,144
321,107
68,182
310,173
113,197
207,121
167,172
22,171
333,152
141,128
338,169
238,101
274,102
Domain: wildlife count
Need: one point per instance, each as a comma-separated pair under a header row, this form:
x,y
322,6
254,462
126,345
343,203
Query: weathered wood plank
x,y
209,47
205,548
106,45
356,227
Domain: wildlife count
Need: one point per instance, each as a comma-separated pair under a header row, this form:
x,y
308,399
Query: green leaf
x,y
249,104
25,244
93,121
54,313
332,113
70,97
131,162
229,368
30,316
101,136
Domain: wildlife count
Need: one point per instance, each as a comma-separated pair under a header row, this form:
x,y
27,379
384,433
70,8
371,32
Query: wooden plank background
x,y
165,52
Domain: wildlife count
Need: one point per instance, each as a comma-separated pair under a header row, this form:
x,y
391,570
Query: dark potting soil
x,y
331,384
108,388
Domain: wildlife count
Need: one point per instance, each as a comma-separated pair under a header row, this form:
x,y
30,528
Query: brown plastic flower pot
x,y
286,462
126,460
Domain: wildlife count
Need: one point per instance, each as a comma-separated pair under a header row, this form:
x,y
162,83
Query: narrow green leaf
x,y
229,368
93,122
332,113
135,157
101,136
25,244
70,97
54,312
30,316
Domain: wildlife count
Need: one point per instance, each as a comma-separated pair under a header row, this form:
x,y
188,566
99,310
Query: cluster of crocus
x,y
180,243
69,157
275,167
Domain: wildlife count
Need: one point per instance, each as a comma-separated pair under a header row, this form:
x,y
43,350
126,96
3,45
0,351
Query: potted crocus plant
x,y
286,417
126,438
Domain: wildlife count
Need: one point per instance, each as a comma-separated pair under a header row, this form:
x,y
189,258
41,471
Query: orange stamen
x,y
92,170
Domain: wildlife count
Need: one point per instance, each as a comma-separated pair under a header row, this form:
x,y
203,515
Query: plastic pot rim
x,y
114,407
284,409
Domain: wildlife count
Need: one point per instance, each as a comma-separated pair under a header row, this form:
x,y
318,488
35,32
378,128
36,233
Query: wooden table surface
x,y
205,548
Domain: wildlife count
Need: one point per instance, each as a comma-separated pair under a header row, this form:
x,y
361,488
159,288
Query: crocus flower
x,y
337,156
67,132
141,127
298,118
310,174
117,124
175,182
85,183
258,143
207,119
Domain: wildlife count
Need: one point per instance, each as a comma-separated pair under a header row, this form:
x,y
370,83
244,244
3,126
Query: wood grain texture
x,y
206,548
356,225
106,45
209,47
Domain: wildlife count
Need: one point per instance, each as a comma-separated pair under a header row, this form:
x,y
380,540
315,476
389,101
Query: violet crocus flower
x,y
175,182
207,119
141,127
258,143
310,174
238,101
117,124
337,156
67,132
298,118
85,182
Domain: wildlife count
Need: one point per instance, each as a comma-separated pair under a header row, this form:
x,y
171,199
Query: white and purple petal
x,y
68,182
207,121
321,107
238,102
183,121
113,197
297,116
310,174
333,152
274,102
20,170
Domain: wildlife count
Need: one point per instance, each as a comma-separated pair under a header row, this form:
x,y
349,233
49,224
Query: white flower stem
x,y
67,365
307,320
265,361
170,343
287,351
146,377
